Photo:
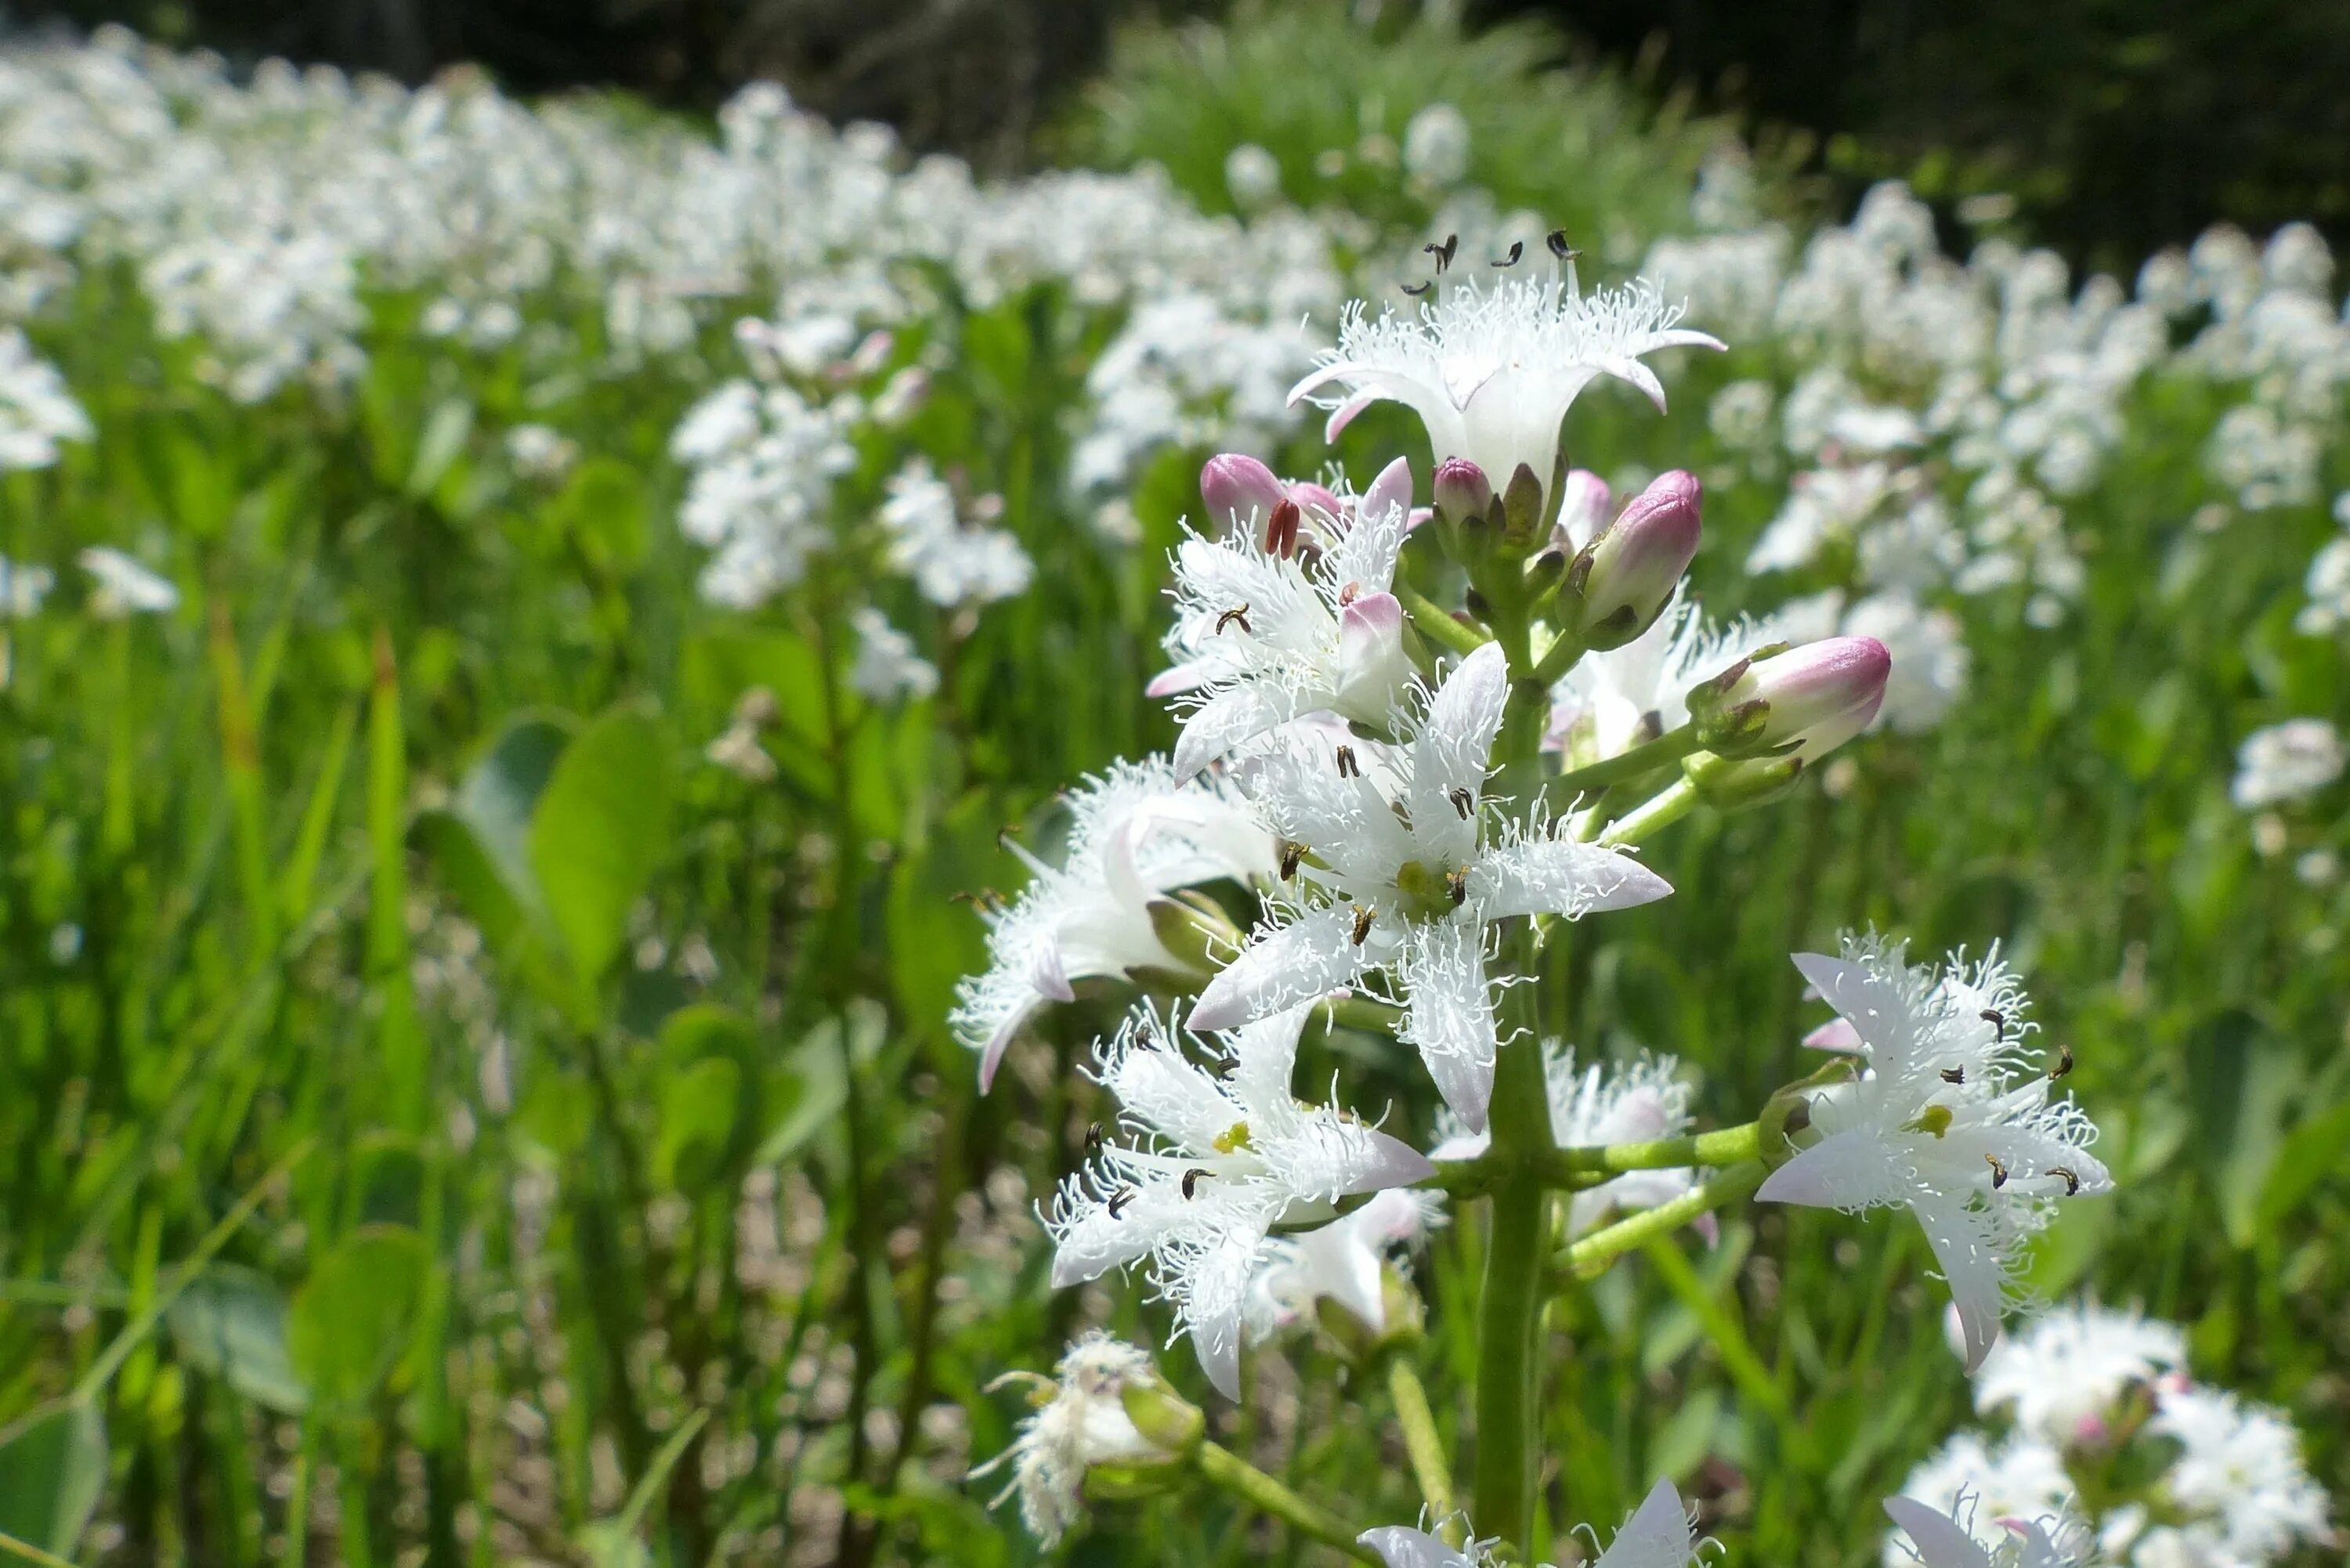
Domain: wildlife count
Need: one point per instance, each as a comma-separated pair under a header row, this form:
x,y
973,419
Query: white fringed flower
x,y
2240,1478
1222,1160
1409,881
1135,835
1947,1118
1083,1423
2061,1372
1342,1260
1658,1535
1948,1538
1261,639
1634,1102
1490,368
123,586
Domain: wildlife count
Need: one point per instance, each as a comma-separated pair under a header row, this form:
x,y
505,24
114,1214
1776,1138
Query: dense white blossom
x,y
36,411
1954,1537
1217,1162
1405,876
2062,1374
2240,1480
887,666
2021,1478
2285,761
1950,1117
952,562
1136,833
122,584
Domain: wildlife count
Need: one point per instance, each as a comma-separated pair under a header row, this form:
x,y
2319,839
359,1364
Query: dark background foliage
x,y
2116,125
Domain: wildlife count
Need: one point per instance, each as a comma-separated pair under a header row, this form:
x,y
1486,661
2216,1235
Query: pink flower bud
x,y
1240,492
1582,511
1461,489
1629,574
1805,701
1312,497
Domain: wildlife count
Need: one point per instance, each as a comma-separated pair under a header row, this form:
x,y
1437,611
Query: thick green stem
x,y
1435,625
1571,1170
1260,1491
1428,1465
1659,752
1510,1314
1601,1248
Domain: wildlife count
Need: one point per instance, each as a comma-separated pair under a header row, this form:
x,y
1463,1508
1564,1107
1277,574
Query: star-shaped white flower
x,y
1947,1119
1405,878
1262,637
1491,368
1222,1160
1136,833
1658,1535
1942,1539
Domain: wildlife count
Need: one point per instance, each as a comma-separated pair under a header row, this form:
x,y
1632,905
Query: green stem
x,y
1573,1169
1591,1255
1436,626
1659,811
1510,1313
1362,1013
30,1553
1641,759
1429,1464
1260,1491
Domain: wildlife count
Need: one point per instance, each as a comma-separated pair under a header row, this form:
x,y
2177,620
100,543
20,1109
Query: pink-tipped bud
x,y
1628,574
1314,498
1462,491
1805,701
1582,511
1240,492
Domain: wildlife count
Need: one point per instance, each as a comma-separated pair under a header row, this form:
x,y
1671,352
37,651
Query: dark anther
x,y
1093,1139
2064,1062
1998,1022
1230,616
1556,240
1462,802
1417,289
1363,919
2072,1178
1192,1180
1119,1200
1349,594
1998,1171
1291,854
1517,253
1445,252
1281,528
1348,768
1954,1074
1457,885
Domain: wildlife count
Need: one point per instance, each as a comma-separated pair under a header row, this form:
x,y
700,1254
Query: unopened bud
x,y
1522,505
1462,491
1802,702
1164,1418
1734,783
1240,492
1628,574
1312,497
1195,931
1582,511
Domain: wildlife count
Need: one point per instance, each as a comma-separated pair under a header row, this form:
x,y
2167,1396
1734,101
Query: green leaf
x,y
807,1092
557,1113
352,1320
697,1122
601,827
500,793
52,1470
231,1324
2311,1154
602,507
445,431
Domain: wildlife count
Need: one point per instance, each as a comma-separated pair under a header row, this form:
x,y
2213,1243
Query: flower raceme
x,y
1220,1162
1263,637
1947,1117
1398,873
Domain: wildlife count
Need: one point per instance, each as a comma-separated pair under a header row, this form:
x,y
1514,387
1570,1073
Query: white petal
x,y
1882,1013
991,1055
1449,1018
1543,876
1940,1542
1305,960
1451,751
1180,1100
1345,1266
1856,1168
1404,1547
1264,1054
1656,1536
1227,719
1213,1290
1966,1244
